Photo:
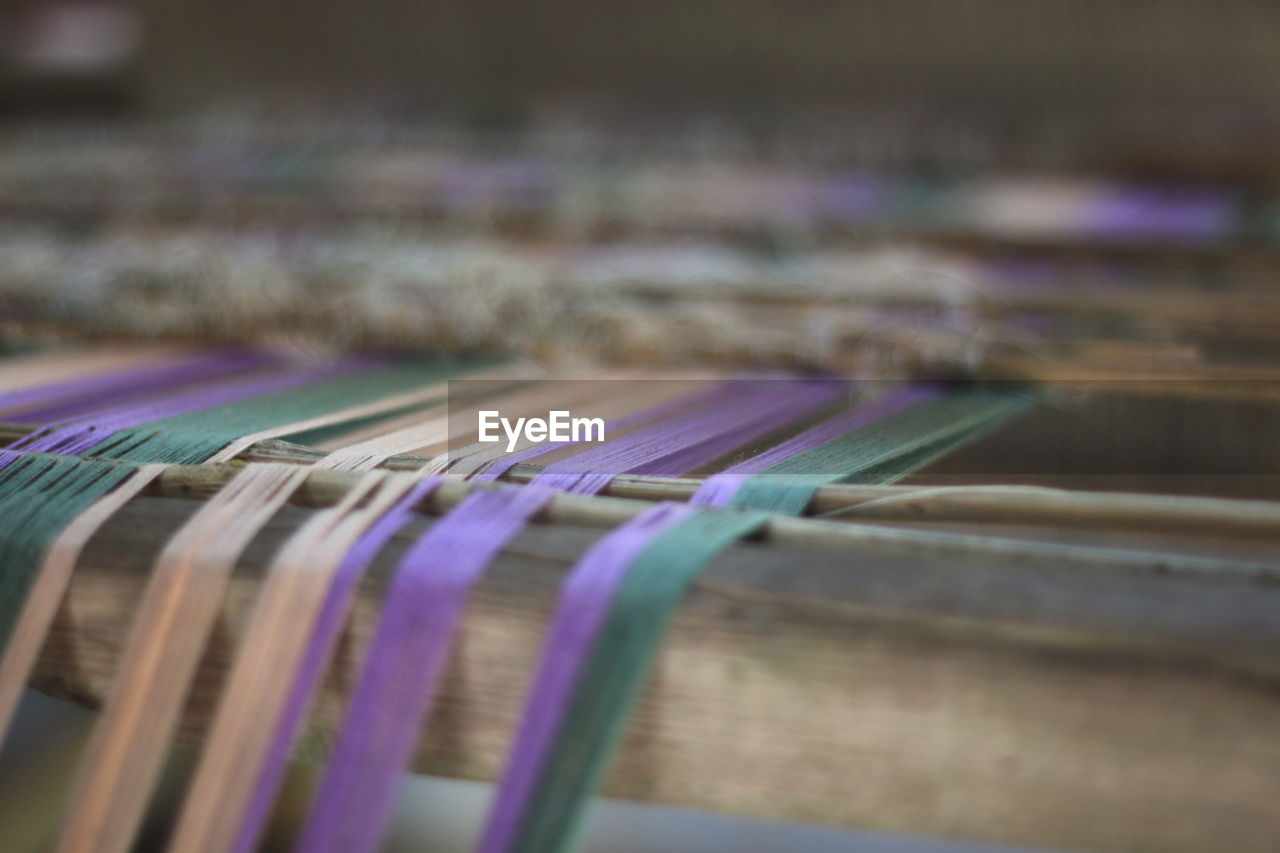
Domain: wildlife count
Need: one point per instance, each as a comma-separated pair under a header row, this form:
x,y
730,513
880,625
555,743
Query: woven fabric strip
x,y
618,670
580,612
406,658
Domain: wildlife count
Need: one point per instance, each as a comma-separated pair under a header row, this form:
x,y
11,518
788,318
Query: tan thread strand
x,y
178,610
26,371
418,429
387,404
99,774
274,642
405,435
240,445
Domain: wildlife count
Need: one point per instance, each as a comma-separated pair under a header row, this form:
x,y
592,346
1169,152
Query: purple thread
x,y
1195,216
125,377
315,658
719,489
410,647
586,596
580,611
498,467
80,436
92,392
685,443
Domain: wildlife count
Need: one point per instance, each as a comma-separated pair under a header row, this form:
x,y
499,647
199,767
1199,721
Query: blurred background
x,y
354,175
173,167
1181,85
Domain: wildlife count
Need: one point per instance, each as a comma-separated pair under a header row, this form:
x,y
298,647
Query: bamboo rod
x,y
325,488
1022,505
965,503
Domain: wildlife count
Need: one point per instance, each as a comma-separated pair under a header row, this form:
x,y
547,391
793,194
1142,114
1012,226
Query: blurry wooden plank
x,y
1043,704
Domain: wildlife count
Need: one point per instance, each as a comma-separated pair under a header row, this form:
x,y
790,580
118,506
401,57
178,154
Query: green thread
x,y
880,452
320,435
643,606
194,437
39,496
613,680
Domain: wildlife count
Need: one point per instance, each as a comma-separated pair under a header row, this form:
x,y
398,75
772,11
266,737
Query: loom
x,y
768,616
937,496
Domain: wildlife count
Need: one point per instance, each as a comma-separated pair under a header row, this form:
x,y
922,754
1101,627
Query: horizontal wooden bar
x,y
955,502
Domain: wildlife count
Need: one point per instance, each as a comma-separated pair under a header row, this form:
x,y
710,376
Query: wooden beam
x,y
976,696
